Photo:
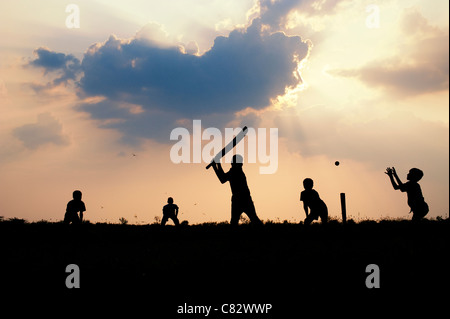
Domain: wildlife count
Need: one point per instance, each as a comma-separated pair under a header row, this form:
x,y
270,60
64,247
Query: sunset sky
x,y
365,83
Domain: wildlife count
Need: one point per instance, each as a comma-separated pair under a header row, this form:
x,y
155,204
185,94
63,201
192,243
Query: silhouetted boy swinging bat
x,y
228,147
241,200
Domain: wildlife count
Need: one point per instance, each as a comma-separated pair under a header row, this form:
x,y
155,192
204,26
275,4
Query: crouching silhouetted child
x,y
73,207
312,202
416,202
170,211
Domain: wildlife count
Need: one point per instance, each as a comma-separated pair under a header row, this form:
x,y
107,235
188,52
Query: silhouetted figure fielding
x,y
311,200
416,202
241,200
73,207
170,211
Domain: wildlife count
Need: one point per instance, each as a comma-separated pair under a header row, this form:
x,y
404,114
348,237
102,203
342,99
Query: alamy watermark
x,y
73,279
259,146
373,18
373,279
73,19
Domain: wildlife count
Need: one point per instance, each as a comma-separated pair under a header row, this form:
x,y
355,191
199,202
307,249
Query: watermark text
x,y
259,146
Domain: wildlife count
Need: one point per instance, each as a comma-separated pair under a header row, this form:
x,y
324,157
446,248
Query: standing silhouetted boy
x,y
241,200
311,200
73,207
170,211
416,202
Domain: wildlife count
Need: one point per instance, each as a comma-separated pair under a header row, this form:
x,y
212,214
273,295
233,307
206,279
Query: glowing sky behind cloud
x,y
76,104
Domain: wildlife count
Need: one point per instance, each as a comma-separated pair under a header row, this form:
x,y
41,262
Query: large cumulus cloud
x,y
245,69
143,89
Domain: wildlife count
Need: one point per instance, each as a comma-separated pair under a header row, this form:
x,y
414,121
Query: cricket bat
x,y
228,147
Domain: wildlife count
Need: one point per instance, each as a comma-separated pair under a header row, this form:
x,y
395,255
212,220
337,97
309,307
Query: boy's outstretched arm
x,y
219,172
390,172
399,182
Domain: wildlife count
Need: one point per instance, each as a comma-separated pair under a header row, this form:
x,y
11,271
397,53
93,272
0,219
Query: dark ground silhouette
x,y
287,265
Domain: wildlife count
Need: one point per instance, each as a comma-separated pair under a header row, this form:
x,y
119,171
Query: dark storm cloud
x,y
67,66
245,69
47,130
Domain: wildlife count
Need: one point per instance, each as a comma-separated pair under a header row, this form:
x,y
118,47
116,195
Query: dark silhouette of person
x,y
170,211
73,207
312,202
416,202
241,200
